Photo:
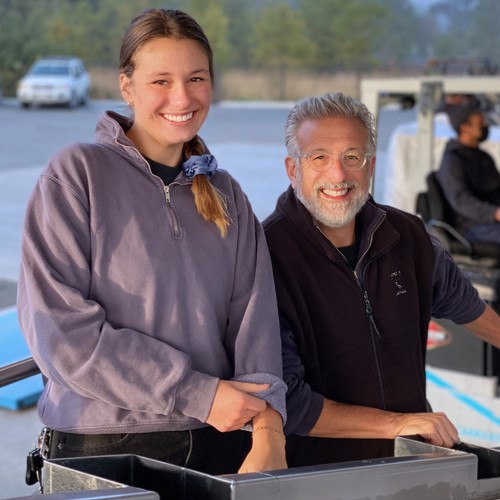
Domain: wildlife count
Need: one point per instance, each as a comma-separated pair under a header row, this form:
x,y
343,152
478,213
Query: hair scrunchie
x,y
199,165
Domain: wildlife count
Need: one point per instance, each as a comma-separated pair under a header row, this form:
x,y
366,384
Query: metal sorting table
x,y
417,471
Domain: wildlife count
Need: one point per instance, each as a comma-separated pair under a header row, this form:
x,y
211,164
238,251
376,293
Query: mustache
x,y
335,186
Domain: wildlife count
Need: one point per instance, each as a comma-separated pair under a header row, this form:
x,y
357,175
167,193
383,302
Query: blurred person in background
x,y
469,176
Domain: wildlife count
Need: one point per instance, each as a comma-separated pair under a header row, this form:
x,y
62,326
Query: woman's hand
x,y
233,407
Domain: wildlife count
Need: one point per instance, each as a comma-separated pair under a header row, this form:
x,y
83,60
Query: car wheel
x,y
73,101
85,99
25,105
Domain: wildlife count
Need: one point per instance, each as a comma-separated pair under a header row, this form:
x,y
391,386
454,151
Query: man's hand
x,y
339,420
497,215
233,407
435,428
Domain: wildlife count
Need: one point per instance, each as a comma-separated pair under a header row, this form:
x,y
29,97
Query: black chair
x,y
434,209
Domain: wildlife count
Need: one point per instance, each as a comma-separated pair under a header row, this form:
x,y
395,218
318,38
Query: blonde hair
x,y
167,23
208,200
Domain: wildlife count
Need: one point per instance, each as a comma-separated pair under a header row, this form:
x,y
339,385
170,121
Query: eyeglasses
x,y
321,161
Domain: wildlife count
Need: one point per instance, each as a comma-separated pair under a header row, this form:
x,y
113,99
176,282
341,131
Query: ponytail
x,y
209,202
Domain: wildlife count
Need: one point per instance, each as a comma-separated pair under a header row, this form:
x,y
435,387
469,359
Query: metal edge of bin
x,y
418,469
116,471
125,493
447,474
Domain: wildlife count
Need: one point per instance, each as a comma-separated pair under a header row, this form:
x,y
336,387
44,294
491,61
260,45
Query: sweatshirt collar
x,y
111,131
368,221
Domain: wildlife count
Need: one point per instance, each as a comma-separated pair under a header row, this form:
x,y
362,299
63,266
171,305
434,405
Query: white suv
x,y
55,80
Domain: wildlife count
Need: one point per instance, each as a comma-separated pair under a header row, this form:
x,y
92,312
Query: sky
x,y
423,4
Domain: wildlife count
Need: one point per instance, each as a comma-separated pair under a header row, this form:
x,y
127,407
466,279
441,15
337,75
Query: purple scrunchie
x,y
196,165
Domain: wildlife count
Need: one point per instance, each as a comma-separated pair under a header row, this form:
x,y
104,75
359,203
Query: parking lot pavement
x,y
19,433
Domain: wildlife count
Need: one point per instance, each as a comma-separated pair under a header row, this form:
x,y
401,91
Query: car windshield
x,y
50,70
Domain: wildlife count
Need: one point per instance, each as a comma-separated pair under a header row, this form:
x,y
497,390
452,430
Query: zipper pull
x,y
166,189
368,306
369,313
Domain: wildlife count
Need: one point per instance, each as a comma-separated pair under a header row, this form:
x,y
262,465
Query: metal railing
x,y
18,371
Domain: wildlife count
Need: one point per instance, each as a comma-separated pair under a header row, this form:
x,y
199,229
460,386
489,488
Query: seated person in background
x,y
469,177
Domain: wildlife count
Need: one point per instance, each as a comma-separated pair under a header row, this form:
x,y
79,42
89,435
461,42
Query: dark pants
x,y
205,450
484,233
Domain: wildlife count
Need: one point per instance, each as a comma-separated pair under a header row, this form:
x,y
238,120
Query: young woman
x,y
146,292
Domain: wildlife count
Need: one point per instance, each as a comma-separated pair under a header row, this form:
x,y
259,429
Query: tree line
x,y
318,35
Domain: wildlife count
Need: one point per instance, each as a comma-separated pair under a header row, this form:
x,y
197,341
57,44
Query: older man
x,y
357,284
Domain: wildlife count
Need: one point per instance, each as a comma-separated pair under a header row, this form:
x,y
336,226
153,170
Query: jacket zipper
x,y
369,314
374,331
173,213
166,190
361,282
374,334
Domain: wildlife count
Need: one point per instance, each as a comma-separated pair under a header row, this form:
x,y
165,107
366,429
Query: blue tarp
x,y
13,348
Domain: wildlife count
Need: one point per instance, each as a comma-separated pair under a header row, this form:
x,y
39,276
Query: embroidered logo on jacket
x,y
397,280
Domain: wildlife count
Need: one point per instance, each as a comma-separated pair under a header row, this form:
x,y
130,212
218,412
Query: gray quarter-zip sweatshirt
x,y
133,306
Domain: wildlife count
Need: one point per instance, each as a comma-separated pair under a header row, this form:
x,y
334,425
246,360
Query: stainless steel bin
x,y
417,471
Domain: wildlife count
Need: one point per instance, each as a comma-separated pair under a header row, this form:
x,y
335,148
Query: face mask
x,y
484,133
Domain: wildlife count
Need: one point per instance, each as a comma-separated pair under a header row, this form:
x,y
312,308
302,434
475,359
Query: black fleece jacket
x,y
361,334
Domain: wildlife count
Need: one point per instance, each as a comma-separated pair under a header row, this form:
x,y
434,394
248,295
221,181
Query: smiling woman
x,y
169,90
147,299
167,83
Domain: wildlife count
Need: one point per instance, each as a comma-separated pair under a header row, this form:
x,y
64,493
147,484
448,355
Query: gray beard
x,y
339,214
